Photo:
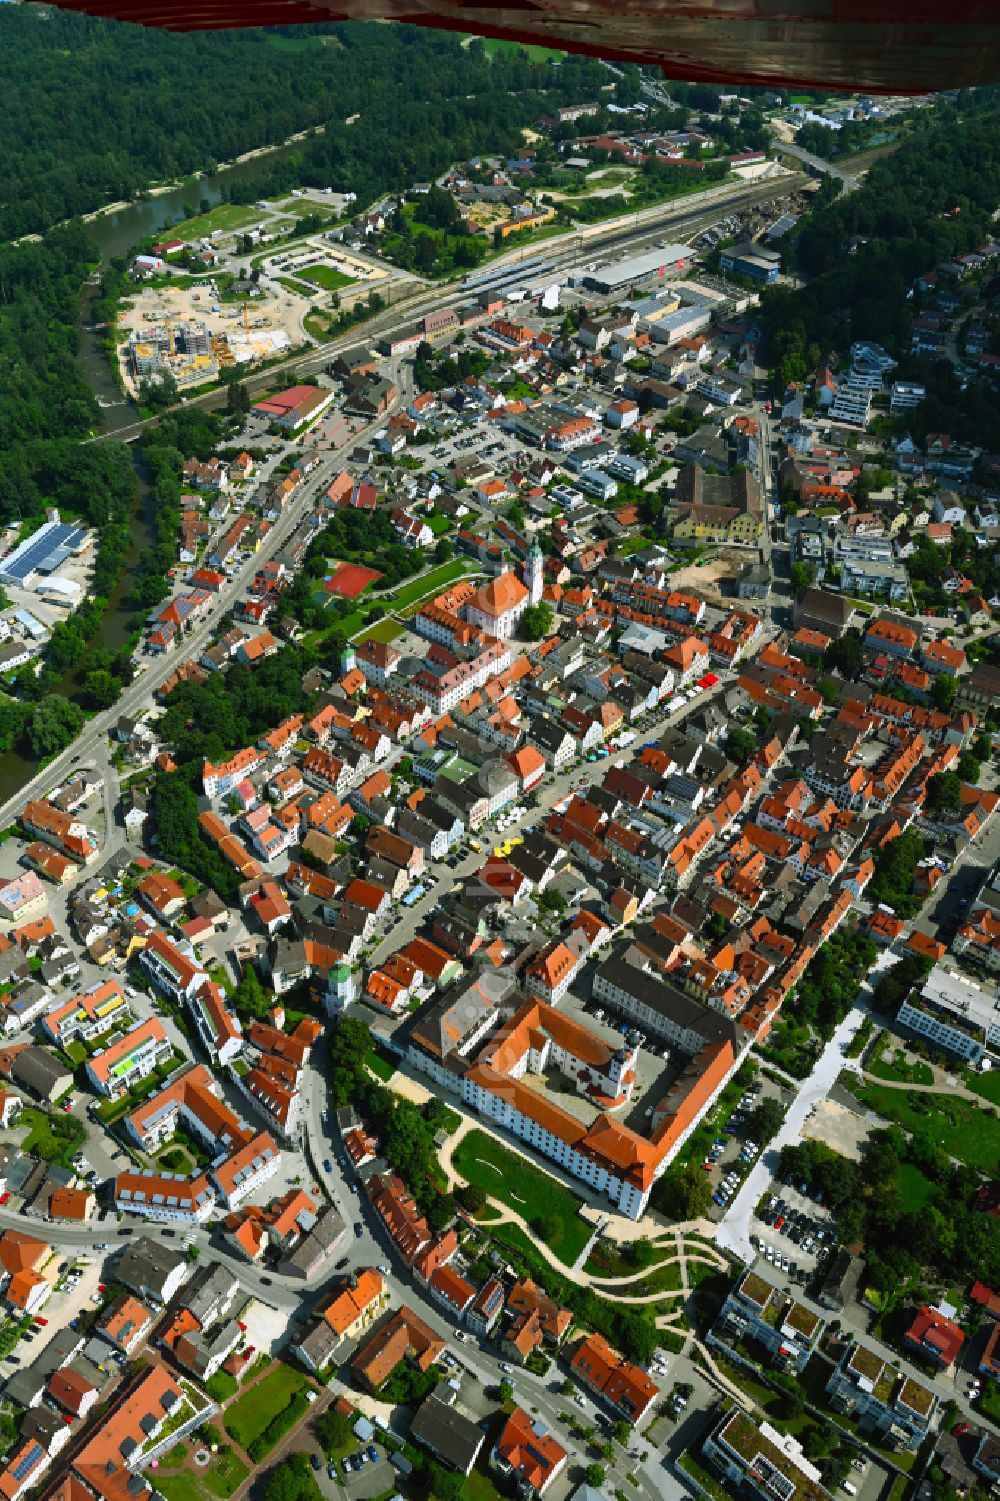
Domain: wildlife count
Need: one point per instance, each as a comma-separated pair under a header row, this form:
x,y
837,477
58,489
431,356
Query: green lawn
x,y
478,1486
438,524
247,1418
383,630
957,1126
492,45
427,583
533,1194
664,1279
326,276
54,1138
915,1190
297,288
76,1051
225,1474
890,1064
224,216
987,1085
381,1066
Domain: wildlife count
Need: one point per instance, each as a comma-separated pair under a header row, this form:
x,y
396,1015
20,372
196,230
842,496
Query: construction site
x,y
184,332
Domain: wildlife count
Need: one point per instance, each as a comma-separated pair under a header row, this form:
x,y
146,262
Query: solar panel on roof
x,y
27,1462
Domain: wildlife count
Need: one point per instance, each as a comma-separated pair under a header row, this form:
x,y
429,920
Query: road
x,y
830,169
733,1230
553,791
140,691
300,1300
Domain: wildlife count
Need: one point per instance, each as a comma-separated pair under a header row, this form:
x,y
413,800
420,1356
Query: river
x,y
115,234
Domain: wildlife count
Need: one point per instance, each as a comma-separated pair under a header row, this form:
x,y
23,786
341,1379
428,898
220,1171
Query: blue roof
x,y
51,545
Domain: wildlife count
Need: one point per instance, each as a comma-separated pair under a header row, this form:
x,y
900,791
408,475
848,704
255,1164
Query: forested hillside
x,y
93,111
928,201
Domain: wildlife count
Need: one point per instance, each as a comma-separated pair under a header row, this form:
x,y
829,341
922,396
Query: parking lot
x,y
794,1231
734,1151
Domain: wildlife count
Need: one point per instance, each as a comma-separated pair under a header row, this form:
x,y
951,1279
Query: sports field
x,y
349,580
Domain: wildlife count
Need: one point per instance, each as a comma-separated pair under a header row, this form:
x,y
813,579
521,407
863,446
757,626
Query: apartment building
x,y
169,1198
131,1058
172,969
85,1016
758,1310
759,1461
218,1028
869,1386
247,1169
622,1385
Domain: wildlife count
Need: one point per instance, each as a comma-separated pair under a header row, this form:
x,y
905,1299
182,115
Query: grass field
x,y
54,1138
479,1486
297,288
492,45
224,216
326,276
220,1478
380,1064
987,1085
247,1418
957,1126
915,1190
385,631
317,324
408,594
890,1065
525,1189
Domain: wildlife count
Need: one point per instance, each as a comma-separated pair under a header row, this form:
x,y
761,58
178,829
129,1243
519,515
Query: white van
x,y
849,1487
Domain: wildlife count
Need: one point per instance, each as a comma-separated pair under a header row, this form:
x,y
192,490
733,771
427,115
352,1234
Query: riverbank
x,y
157,190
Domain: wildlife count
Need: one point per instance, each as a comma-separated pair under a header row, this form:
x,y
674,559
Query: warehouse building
x,y
44,551
637,268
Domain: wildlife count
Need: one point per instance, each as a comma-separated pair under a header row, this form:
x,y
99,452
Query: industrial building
x,y
54,543
754,261
637,268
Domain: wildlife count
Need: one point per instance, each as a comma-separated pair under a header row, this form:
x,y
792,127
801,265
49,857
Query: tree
x,y
567,1389
845,655
443,1484
621,1430
943,691
332,1430
969,767
684,1193
880,1158
803,576
250,998
55,723
944,792
536,622
594,1474
740,744
546,1227
102,688
765,1120
444,551
292,1480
